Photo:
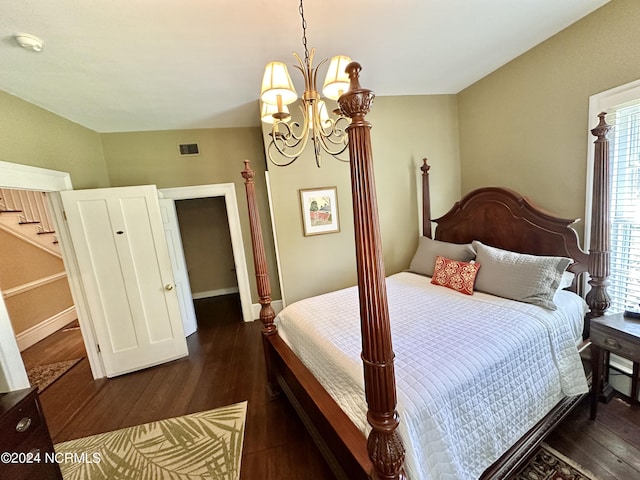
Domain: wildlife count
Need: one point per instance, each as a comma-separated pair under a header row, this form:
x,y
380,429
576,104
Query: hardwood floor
x,y
609,446
225,365
65,344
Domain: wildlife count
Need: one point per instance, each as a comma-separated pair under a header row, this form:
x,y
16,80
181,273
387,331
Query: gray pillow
x,y
525,278
424,259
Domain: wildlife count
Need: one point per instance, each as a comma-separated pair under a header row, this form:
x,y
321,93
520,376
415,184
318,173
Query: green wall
x,y
143,158
405,129
526,125
30,135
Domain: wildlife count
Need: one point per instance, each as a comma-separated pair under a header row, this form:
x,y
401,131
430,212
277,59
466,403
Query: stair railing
x,y
31,207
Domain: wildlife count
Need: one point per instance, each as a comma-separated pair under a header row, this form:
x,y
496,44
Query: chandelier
x,y
290,138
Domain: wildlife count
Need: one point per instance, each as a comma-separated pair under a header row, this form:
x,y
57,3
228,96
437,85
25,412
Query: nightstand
x,y
25,444
613,334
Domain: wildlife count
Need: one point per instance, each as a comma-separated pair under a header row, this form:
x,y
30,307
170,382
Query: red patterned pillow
x,y
459,276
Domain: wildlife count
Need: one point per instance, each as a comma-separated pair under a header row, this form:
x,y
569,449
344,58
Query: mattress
x,y
473,373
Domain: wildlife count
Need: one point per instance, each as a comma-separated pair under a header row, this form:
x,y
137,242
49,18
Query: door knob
x,y
168,286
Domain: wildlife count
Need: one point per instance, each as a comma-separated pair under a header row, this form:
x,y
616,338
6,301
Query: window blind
x,y
625,205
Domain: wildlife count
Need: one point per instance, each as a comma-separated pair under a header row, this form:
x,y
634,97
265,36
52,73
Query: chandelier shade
x,y
277,87
336,81
268,110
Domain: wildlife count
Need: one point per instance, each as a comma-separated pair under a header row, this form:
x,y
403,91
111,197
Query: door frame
x,y
25,177
228,191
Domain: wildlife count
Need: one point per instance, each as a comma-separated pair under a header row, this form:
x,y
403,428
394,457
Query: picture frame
x,y
319,208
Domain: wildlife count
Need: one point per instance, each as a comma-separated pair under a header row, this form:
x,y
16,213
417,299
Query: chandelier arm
x,y
333,134
334,130
304,68
273,160
314,73
288,139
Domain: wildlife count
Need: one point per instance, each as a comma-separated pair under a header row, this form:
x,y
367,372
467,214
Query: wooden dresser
x,y
26,449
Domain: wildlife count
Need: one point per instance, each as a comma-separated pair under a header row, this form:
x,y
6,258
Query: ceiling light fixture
x,y
289,139
29,42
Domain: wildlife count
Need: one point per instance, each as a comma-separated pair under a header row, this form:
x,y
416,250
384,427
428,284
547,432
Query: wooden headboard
x,y
502,218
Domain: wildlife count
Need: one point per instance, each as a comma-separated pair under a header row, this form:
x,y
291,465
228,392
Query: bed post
x,y
600,243
262,276
383,444
426,200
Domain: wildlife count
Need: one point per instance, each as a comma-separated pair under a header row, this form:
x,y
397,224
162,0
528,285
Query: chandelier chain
x,y
304,34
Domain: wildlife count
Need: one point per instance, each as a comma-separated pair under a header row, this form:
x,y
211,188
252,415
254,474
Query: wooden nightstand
x,y
25,444
613,334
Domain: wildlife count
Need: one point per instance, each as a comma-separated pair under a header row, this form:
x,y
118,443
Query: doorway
x,y
13,375
222,192
208,253
35,289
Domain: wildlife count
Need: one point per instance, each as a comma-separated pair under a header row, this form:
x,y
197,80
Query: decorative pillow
x,y
525,278
459,276
428,249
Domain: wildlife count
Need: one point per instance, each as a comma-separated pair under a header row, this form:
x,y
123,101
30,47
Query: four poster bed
x,y
482,379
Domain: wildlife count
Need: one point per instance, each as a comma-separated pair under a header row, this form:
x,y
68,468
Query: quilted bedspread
x,y
473,373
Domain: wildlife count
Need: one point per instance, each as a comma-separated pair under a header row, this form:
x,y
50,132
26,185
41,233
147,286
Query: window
x,y
622,105
625,205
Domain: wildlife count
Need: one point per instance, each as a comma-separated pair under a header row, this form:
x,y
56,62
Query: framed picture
x,y
319,210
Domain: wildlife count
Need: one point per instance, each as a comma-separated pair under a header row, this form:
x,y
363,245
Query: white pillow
x,y
424,260
525,278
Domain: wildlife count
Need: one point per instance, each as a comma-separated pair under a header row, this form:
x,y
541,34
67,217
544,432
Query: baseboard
x,y
255,308
214,293
38,332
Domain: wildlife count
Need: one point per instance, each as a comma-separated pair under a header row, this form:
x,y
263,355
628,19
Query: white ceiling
x,y
130,65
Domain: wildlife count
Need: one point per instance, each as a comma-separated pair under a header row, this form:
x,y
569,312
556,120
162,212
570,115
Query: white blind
x,y
625,205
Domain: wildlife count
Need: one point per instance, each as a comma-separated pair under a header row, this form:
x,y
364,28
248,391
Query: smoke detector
x,y
29,42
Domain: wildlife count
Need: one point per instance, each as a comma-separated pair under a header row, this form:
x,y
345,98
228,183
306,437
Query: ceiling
x,y
132,65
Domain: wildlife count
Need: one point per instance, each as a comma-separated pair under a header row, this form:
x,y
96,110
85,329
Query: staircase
x,y
24,213
33,283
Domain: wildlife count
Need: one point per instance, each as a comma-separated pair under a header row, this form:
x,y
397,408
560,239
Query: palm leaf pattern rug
x,y
203,445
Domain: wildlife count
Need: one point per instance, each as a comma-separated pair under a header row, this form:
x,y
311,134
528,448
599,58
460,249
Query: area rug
x,y
204,445
42,376
549,464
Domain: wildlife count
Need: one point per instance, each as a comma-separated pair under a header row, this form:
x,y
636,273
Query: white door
x,y
122,255
178,264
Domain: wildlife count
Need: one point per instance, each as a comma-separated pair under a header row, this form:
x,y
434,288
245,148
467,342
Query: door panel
x,y
178,264
119,241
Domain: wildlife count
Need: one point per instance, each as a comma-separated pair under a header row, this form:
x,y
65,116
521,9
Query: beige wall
x,y
141,158
206,240
22,263
33,307
405,129
526,125
30,135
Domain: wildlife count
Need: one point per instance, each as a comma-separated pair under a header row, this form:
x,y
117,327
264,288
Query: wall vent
x,y
189,149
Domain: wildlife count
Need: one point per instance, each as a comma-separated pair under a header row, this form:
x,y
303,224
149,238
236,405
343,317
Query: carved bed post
x,y
262,277
600,243
383,445
426,200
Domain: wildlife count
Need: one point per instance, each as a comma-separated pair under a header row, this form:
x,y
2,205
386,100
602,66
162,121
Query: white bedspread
x,y
474,373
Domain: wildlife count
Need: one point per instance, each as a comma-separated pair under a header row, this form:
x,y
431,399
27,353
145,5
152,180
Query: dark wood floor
x,y
65,344
225,365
